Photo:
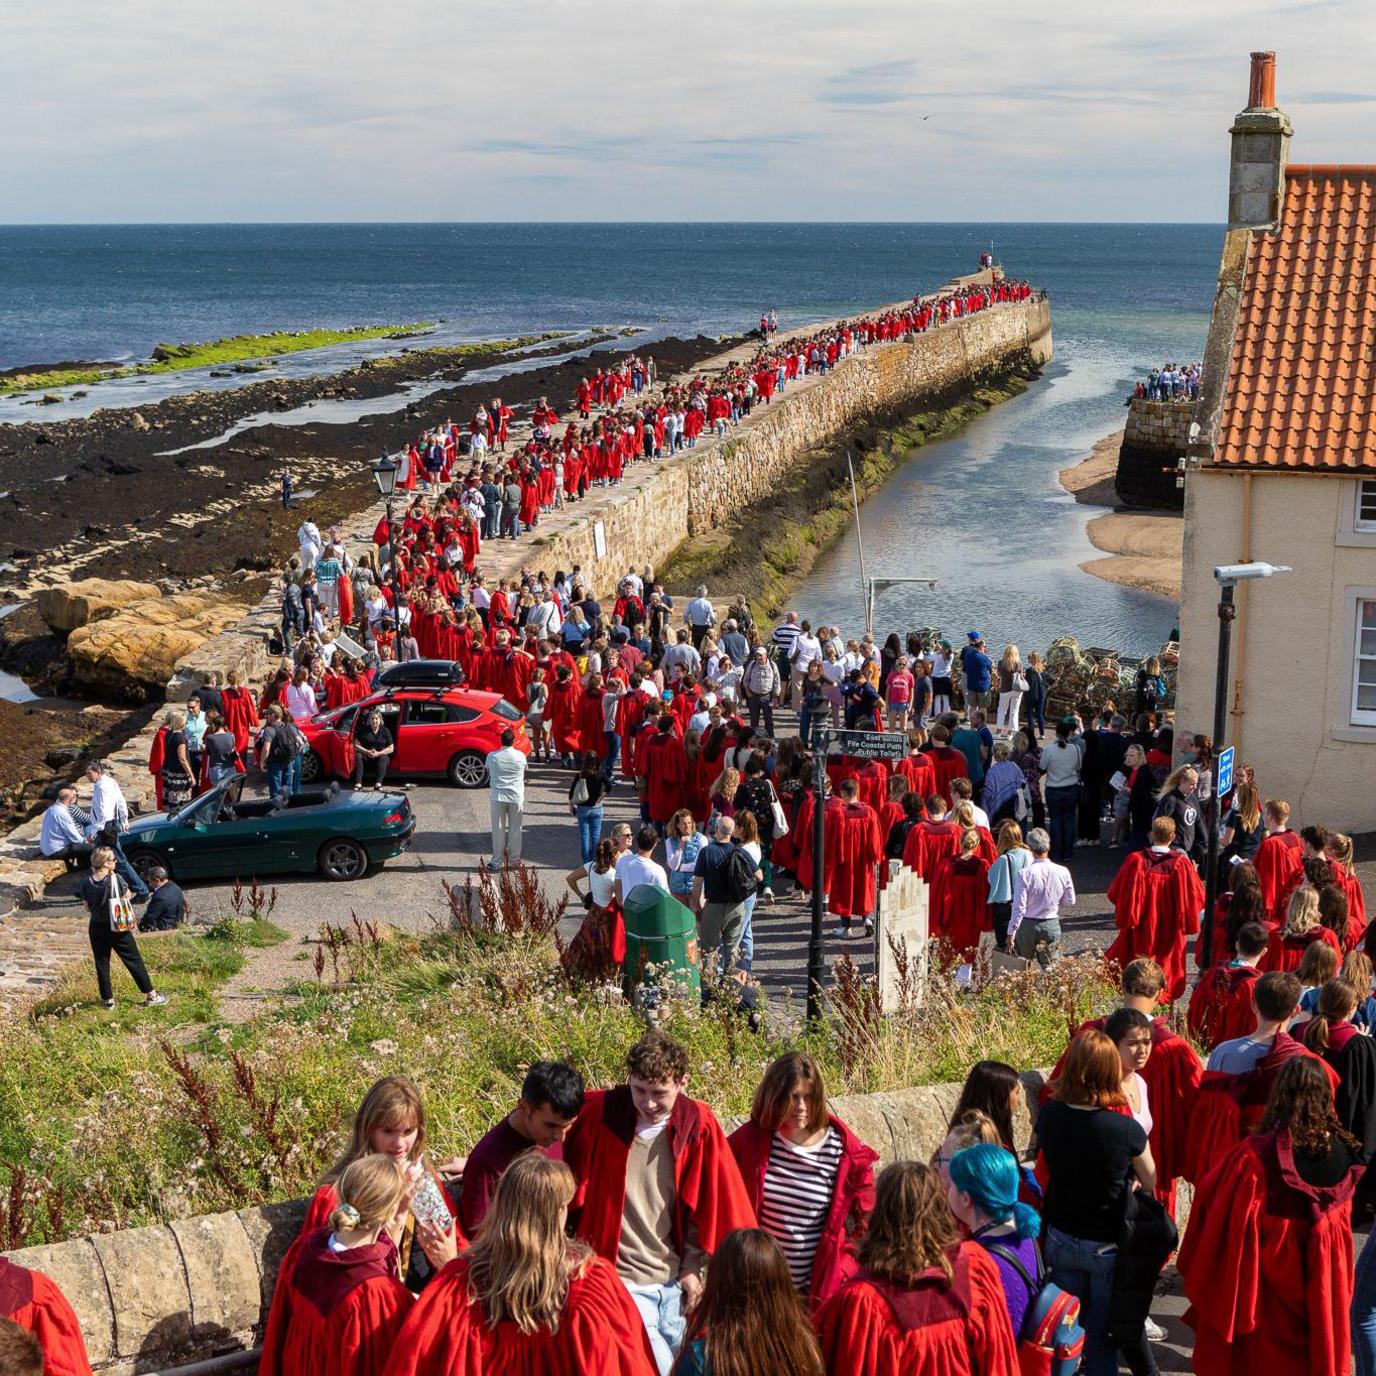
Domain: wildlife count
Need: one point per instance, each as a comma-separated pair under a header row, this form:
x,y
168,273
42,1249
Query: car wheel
x,y
468,769
145,860
343,859
312,767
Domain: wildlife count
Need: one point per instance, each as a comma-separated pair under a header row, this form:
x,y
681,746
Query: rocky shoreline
x,y
1143,549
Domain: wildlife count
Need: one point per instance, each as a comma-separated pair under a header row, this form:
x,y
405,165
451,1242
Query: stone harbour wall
x,y
1154,439
703,489
152,1299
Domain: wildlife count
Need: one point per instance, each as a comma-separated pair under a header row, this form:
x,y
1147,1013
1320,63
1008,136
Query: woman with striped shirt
x,y
809,1178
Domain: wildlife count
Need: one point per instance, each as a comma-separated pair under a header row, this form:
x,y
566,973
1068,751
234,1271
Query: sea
x,y
981,512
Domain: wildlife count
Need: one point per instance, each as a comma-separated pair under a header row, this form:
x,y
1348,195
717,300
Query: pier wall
x,y
1154,441
703,489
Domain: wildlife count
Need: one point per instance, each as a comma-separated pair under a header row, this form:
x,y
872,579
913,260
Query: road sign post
x,y
1223,783
1225,773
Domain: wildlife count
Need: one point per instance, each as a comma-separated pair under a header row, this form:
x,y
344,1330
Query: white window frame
x,y
1352,529
1357,716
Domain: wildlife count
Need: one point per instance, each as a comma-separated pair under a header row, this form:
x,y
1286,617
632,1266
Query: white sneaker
x,y
1155,1333
108,1003
155,1000
840,932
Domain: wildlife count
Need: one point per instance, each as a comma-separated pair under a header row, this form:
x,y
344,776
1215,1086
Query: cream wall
x,y
1296,631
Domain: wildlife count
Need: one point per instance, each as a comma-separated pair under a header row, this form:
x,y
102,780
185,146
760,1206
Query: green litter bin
x,y
661,932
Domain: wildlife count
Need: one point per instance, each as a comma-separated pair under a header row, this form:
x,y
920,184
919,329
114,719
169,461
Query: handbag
x,y
121,907
776,808
1019,683
580,791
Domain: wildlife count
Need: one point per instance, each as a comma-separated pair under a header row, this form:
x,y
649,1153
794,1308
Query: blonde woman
x,y
1302,926
391,1122
178,779
1012,685
338,1305
525,1297
111,929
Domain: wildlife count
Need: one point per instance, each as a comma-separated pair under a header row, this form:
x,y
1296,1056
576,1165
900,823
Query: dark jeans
x,y
74,855
127,872
1001,912
362,761
1086,1270
103,942
613,755
1036,718
758,705
1062,806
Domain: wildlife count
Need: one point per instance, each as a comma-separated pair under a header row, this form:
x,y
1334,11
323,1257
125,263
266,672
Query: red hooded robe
x,y
960,903
334,1313
929,843
35,1303
708,1190
1221,1004
600,1331
1267,1266
876,1328
1157,899
854,847
1278,860
562,714
663,760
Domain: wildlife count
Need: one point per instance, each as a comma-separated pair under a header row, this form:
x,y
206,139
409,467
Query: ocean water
x,y
982,512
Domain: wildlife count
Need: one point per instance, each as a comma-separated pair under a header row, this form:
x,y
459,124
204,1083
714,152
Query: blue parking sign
x,y
1225,772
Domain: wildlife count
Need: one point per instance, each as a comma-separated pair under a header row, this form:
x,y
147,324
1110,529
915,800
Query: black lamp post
x,y
1228,577
385,475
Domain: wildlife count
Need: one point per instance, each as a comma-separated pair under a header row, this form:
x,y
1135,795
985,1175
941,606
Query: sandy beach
x,y
1142,549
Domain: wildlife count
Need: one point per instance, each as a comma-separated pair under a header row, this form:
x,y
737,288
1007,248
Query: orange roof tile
x,y
1302,380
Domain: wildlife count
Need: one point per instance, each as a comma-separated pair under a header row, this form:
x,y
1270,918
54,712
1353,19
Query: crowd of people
x,y
1177,382
623,1230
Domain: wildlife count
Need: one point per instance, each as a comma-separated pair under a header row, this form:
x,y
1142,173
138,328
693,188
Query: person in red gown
x,y
854,847
1338,851
1172,1074
1157,899
1288,943
924,1303
591,736
651,1162
390,1122
1267,1258
29,1299
338,1305
525,1300
1221,1004
959,901
947,762
562,715
1278,858
662,772
1241,1074
241,716
931,840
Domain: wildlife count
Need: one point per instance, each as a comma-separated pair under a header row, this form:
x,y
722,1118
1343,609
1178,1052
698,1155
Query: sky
x,y
277,110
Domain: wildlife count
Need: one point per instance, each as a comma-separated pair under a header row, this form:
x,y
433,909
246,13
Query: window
x,y
427,713
1364,664
1366,505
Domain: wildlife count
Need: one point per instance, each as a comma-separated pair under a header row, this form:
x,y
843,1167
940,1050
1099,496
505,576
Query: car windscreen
x,y
505,710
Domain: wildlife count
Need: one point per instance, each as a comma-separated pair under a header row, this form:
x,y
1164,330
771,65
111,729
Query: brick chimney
x,y
1261,140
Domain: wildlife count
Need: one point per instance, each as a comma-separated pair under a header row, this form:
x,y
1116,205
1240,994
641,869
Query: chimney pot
x,y
1261,92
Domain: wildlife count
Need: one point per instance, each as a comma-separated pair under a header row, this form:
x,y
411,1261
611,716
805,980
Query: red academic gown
x,y
157,757
35,1303
807,816
928,844
1228,1107
708,1190
1221,1004
631,712
876,1328
834,1263
1285,952
240,716
854,847
663,759
591,736
921,776
561,712
1157,898
600,1333
334,1313
1267,1266
1279,859
948,763
960,903
326,1200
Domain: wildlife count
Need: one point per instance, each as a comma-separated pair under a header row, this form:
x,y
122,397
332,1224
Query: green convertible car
x,y
224,835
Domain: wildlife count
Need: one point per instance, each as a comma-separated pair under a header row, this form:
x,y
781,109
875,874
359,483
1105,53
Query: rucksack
x,y
1052,1340
740,876
285,744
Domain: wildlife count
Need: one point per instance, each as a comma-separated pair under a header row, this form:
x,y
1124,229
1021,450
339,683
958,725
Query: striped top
x,y
799,1185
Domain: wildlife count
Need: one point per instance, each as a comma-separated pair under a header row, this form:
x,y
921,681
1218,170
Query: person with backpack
x,y
983,1196
723,878
280,746
111,929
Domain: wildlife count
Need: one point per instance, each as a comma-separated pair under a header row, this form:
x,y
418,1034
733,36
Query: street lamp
x,y
1228,576
385,475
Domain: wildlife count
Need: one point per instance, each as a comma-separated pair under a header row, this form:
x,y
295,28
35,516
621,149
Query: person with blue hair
x,y
983,1195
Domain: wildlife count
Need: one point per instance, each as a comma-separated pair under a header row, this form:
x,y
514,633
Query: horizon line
x,y
273,224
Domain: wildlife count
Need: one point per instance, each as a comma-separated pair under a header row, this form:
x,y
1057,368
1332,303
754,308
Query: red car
x,y
439,732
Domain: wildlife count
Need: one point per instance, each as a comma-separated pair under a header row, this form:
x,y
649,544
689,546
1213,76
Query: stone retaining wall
x,y
155,1298
1154,440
